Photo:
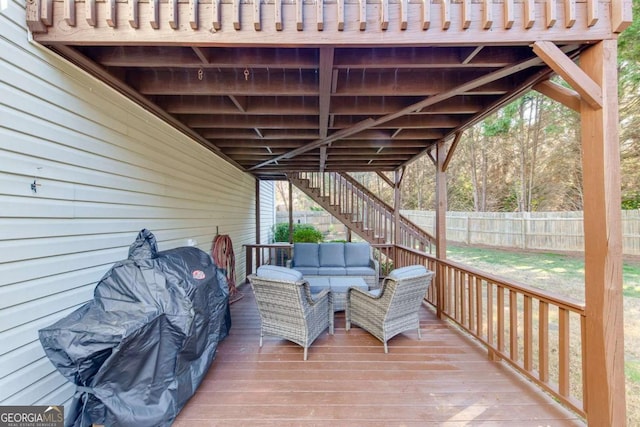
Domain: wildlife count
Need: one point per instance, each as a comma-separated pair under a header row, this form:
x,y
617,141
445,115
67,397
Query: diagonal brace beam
x,y
551,54
427,102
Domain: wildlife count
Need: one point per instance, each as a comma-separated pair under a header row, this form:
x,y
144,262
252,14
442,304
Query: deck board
x,y
444,379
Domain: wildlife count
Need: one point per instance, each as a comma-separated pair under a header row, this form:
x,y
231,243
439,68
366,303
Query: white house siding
x,y
104,168
267,210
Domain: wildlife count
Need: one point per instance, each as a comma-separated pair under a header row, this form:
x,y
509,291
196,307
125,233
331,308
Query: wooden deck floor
x,y
443,379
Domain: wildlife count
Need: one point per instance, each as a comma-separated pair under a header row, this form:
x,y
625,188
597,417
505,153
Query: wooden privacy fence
x,y
553,231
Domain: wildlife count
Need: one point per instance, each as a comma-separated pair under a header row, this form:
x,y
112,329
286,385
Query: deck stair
x,y
359,209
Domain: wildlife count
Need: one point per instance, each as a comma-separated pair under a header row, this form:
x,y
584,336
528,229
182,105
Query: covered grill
x,y
138,351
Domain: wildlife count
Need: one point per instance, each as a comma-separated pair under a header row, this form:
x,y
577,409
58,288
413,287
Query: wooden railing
x,y
347,199
538,333
260,254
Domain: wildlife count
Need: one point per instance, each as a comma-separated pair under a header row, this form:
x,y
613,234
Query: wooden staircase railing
x,y
360,210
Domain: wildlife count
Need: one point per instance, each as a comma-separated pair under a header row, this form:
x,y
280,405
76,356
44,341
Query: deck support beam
x,y
258,253
397,200
605,381
441,220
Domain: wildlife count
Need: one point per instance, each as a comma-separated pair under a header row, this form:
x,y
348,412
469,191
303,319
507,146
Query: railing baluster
x,y
500,312
513,325
478,283
528,333
563,351
490,309
543,341
471,301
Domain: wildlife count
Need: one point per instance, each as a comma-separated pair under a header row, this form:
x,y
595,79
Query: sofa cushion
x,y
278,273
357,254
305,255
307,271
360,271
406,272
332,271
332,255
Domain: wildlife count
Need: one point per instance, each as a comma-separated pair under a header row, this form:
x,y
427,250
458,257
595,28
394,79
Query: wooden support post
x,y
258,230
248,259
397,201
441,217
605,380
290,212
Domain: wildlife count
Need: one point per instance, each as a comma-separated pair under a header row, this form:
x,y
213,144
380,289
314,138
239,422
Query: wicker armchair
x,y
392,309
286,307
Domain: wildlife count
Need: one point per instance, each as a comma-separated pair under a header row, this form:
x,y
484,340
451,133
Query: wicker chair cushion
x,y
375,292
406,272
306,255
357,254
278,273
332,255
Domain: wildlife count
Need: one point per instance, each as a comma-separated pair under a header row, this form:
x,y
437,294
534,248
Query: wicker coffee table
x,y
339,286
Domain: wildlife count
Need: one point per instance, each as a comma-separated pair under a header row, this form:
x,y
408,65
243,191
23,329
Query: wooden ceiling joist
x,y
354,84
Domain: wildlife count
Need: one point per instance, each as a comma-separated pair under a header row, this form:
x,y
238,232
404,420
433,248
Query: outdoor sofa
x,y
336,259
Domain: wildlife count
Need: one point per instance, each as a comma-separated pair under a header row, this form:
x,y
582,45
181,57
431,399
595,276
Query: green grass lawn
x,y
540,266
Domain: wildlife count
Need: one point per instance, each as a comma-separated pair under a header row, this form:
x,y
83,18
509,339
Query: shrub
x,y
281,232
305,233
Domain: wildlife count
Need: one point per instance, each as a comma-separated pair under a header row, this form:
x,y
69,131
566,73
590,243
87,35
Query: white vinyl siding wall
x,y
104,168
267,210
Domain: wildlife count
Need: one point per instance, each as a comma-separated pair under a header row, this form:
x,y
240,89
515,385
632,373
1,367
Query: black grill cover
x,y
138,350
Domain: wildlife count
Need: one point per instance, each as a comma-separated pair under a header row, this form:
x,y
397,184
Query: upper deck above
x,y
317,23
345,85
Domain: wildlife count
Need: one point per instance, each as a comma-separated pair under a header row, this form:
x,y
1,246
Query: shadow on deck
x,y
443,379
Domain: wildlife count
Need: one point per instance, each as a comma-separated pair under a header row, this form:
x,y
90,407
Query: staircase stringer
x,y
345,218
359,209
